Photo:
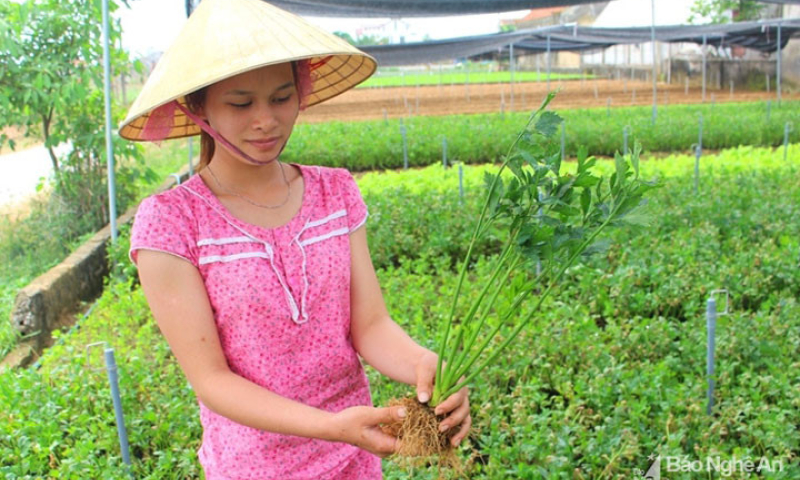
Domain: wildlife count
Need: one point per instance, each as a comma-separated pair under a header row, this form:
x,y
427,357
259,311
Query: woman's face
x,y
255,110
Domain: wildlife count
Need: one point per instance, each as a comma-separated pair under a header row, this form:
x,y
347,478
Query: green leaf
x,y
586,201
548,123
637,149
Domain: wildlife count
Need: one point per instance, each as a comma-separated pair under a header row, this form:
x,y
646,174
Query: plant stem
x,y
452,366
527,319
473,241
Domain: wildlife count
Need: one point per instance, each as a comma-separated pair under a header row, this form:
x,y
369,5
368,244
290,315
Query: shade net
x,y
762,36
413,8
425,8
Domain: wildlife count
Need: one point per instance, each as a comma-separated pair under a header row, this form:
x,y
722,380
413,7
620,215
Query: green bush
x,y
483,138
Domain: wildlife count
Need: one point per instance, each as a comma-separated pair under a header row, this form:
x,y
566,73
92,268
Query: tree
x,y
346,36
718,10
362,39
51,79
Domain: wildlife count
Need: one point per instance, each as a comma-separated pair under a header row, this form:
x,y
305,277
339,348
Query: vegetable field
x,y
378,144
610,371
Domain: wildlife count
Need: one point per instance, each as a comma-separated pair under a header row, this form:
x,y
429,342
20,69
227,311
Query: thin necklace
x,y
251,202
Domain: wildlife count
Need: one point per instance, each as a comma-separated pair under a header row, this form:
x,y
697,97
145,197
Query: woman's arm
x,y
179,302
387,347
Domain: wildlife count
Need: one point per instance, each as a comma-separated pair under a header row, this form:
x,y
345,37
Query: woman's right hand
x,y
360,426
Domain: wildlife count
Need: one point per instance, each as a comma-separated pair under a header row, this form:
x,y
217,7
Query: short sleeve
x,y
356,208
165,225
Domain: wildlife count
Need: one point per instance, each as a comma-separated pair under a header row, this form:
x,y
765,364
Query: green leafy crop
x,y
550,219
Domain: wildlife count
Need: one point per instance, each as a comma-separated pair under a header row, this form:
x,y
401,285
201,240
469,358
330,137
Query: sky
x,y
151,25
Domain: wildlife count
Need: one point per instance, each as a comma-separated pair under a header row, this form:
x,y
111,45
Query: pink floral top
x,y
281,301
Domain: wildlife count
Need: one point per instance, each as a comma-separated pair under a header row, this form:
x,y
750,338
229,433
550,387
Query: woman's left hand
x,y
455,407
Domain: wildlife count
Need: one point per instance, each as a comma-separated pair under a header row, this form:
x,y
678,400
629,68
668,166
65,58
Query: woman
x,y
258,273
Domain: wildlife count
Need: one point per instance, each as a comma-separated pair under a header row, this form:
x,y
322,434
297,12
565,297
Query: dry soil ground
x,y
374,103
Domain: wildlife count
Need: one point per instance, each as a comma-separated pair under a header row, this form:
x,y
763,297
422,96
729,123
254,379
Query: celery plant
x,y
549,218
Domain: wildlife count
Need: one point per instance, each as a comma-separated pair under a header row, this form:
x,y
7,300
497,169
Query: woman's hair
x,y
195,101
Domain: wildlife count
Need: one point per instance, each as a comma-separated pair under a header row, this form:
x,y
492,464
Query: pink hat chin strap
x,y
161,120
222,140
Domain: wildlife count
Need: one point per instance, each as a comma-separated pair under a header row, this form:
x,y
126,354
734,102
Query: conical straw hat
x,y
223,38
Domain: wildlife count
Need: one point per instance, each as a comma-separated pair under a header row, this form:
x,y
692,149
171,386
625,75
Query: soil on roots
x,y
420,439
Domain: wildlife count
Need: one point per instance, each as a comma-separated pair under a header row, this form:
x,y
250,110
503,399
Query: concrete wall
x,y
720,72
43,305
791,54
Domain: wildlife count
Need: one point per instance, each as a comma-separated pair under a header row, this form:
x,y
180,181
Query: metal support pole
x,y
698,151
669,64
655,71
705,42
511,68
113,380
405,144
778,73
700,135
786,129
112,202
711,330
540,214
625,132
549,63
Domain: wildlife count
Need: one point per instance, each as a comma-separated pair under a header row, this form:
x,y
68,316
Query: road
x,y
21,172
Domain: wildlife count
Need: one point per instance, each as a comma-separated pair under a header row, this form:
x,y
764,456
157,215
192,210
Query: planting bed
x,y
611,372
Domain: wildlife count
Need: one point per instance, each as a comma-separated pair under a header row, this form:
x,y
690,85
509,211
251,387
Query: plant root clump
x,y
420,439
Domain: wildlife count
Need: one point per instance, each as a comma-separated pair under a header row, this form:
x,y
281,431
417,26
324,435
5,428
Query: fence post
x,y
778,73
711,333
786,129
705,42
511,67
549,63
698,151
700,135
625,131
405,144
711,328
113,380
